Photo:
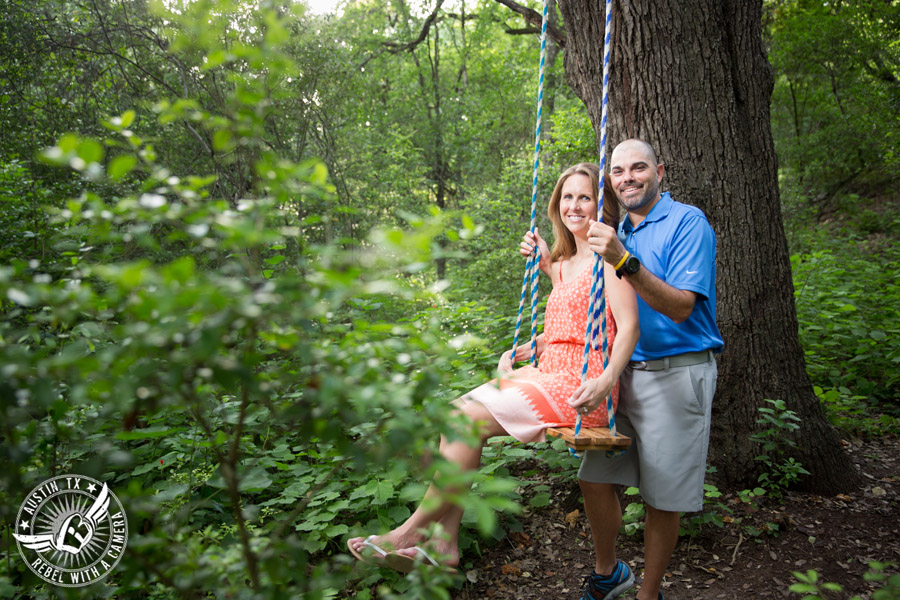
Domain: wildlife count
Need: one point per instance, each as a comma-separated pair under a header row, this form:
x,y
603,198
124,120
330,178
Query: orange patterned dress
x,y
530,400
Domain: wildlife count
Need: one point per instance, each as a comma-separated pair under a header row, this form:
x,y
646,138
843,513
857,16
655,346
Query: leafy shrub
x,y
237,384
856,415
781,471
849,334
809,585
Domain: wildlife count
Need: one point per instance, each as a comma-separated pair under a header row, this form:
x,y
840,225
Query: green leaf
x,y
140,470
384,491
147,433
170,491
121,166
68,143
221,139
90,151
539,500
127,118
336,530
255,480
216,58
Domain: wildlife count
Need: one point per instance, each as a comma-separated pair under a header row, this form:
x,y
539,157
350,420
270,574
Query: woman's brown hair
x,y
564,241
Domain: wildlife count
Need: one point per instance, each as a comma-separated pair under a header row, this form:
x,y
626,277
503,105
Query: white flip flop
x,y
370,559
405,564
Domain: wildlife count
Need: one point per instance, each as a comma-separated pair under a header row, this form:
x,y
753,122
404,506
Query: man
x,y
666,250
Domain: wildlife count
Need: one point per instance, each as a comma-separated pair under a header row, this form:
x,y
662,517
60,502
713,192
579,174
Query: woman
x,y
530,400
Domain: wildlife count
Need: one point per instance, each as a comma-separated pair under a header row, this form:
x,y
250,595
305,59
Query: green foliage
x,y
228,385
849,334
240,385
889,581
22,219
494,268
810,586
432,122
712,513
854,414
835,99
573,137
812,589
633,516
780,470
254,345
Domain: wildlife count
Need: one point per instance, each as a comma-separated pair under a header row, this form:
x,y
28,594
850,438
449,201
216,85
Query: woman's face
x,y
577,204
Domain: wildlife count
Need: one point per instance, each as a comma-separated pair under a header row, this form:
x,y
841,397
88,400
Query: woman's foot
x,y
376,547
438,549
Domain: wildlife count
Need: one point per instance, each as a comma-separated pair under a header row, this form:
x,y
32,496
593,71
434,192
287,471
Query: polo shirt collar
x,y
659,212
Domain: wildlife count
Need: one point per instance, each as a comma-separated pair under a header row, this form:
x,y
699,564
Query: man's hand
x,y
603,240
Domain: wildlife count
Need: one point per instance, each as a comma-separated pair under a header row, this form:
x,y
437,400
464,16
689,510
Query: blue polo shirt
x,y
676,243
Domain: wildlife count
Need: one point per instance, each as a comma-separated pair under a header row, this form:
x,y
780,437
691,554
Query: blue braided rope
x,y
521,306
600,312
596,326
532,268
607,51
611,415
534,305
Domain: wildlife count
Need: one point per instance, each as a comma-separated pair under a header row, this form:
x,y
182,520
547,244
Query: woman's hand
x,y
505,365
591,394
530,241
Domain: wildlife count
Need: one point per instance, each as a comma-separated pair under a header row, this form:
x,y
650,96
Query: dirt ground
x,y
752,556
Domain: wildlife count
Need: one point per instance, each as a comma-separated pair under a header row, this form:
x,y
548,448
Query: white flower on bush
x,y
152,201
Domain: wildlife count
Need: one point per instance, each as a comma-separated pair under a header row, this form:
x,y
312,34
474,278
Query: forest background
x,y
250,253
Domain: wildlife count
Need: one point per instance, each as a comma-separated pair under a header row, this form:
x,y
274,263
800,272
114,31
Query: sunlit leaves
x,y
121,166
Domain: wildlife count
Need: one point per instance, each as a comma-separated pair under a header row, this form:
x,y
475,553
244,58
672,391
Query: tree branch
x,y
534,18
522,31
530,16
395,48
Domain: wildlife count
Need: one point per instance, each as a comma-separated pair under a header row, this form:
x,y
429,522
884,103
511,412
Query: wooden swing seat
x,y
590,438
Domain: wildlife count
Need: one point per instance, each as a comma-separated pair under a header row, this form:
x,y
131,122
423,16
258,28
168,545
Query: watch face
x,y
632,265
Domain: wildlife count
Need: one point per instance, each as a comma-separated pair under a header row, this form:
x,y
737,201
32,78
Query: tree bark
x,y
691,77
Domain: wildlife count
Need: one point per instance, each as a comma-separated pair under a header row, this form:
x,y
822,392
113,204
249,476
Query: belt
x,y
679,360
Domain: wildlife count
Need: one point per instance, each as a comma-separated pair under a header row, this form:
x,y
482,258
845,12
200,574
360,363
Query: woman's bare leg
x,y
449,515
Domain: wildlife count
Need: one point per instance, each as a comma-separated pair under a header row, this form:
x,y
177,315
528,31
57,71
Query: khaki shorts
x,y
667,415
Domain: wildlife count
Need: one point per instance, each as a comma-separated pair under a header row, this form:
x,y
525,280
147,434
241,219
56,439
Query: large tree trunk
x,y
691,77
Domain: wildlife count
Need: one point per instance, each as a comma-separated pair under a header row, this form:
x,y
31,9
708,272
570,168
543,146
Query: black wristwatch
x,y
632,265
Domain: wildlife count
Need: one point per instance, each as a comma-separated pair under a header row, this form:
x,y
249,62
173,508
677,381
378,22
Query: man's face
x,y
635,177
